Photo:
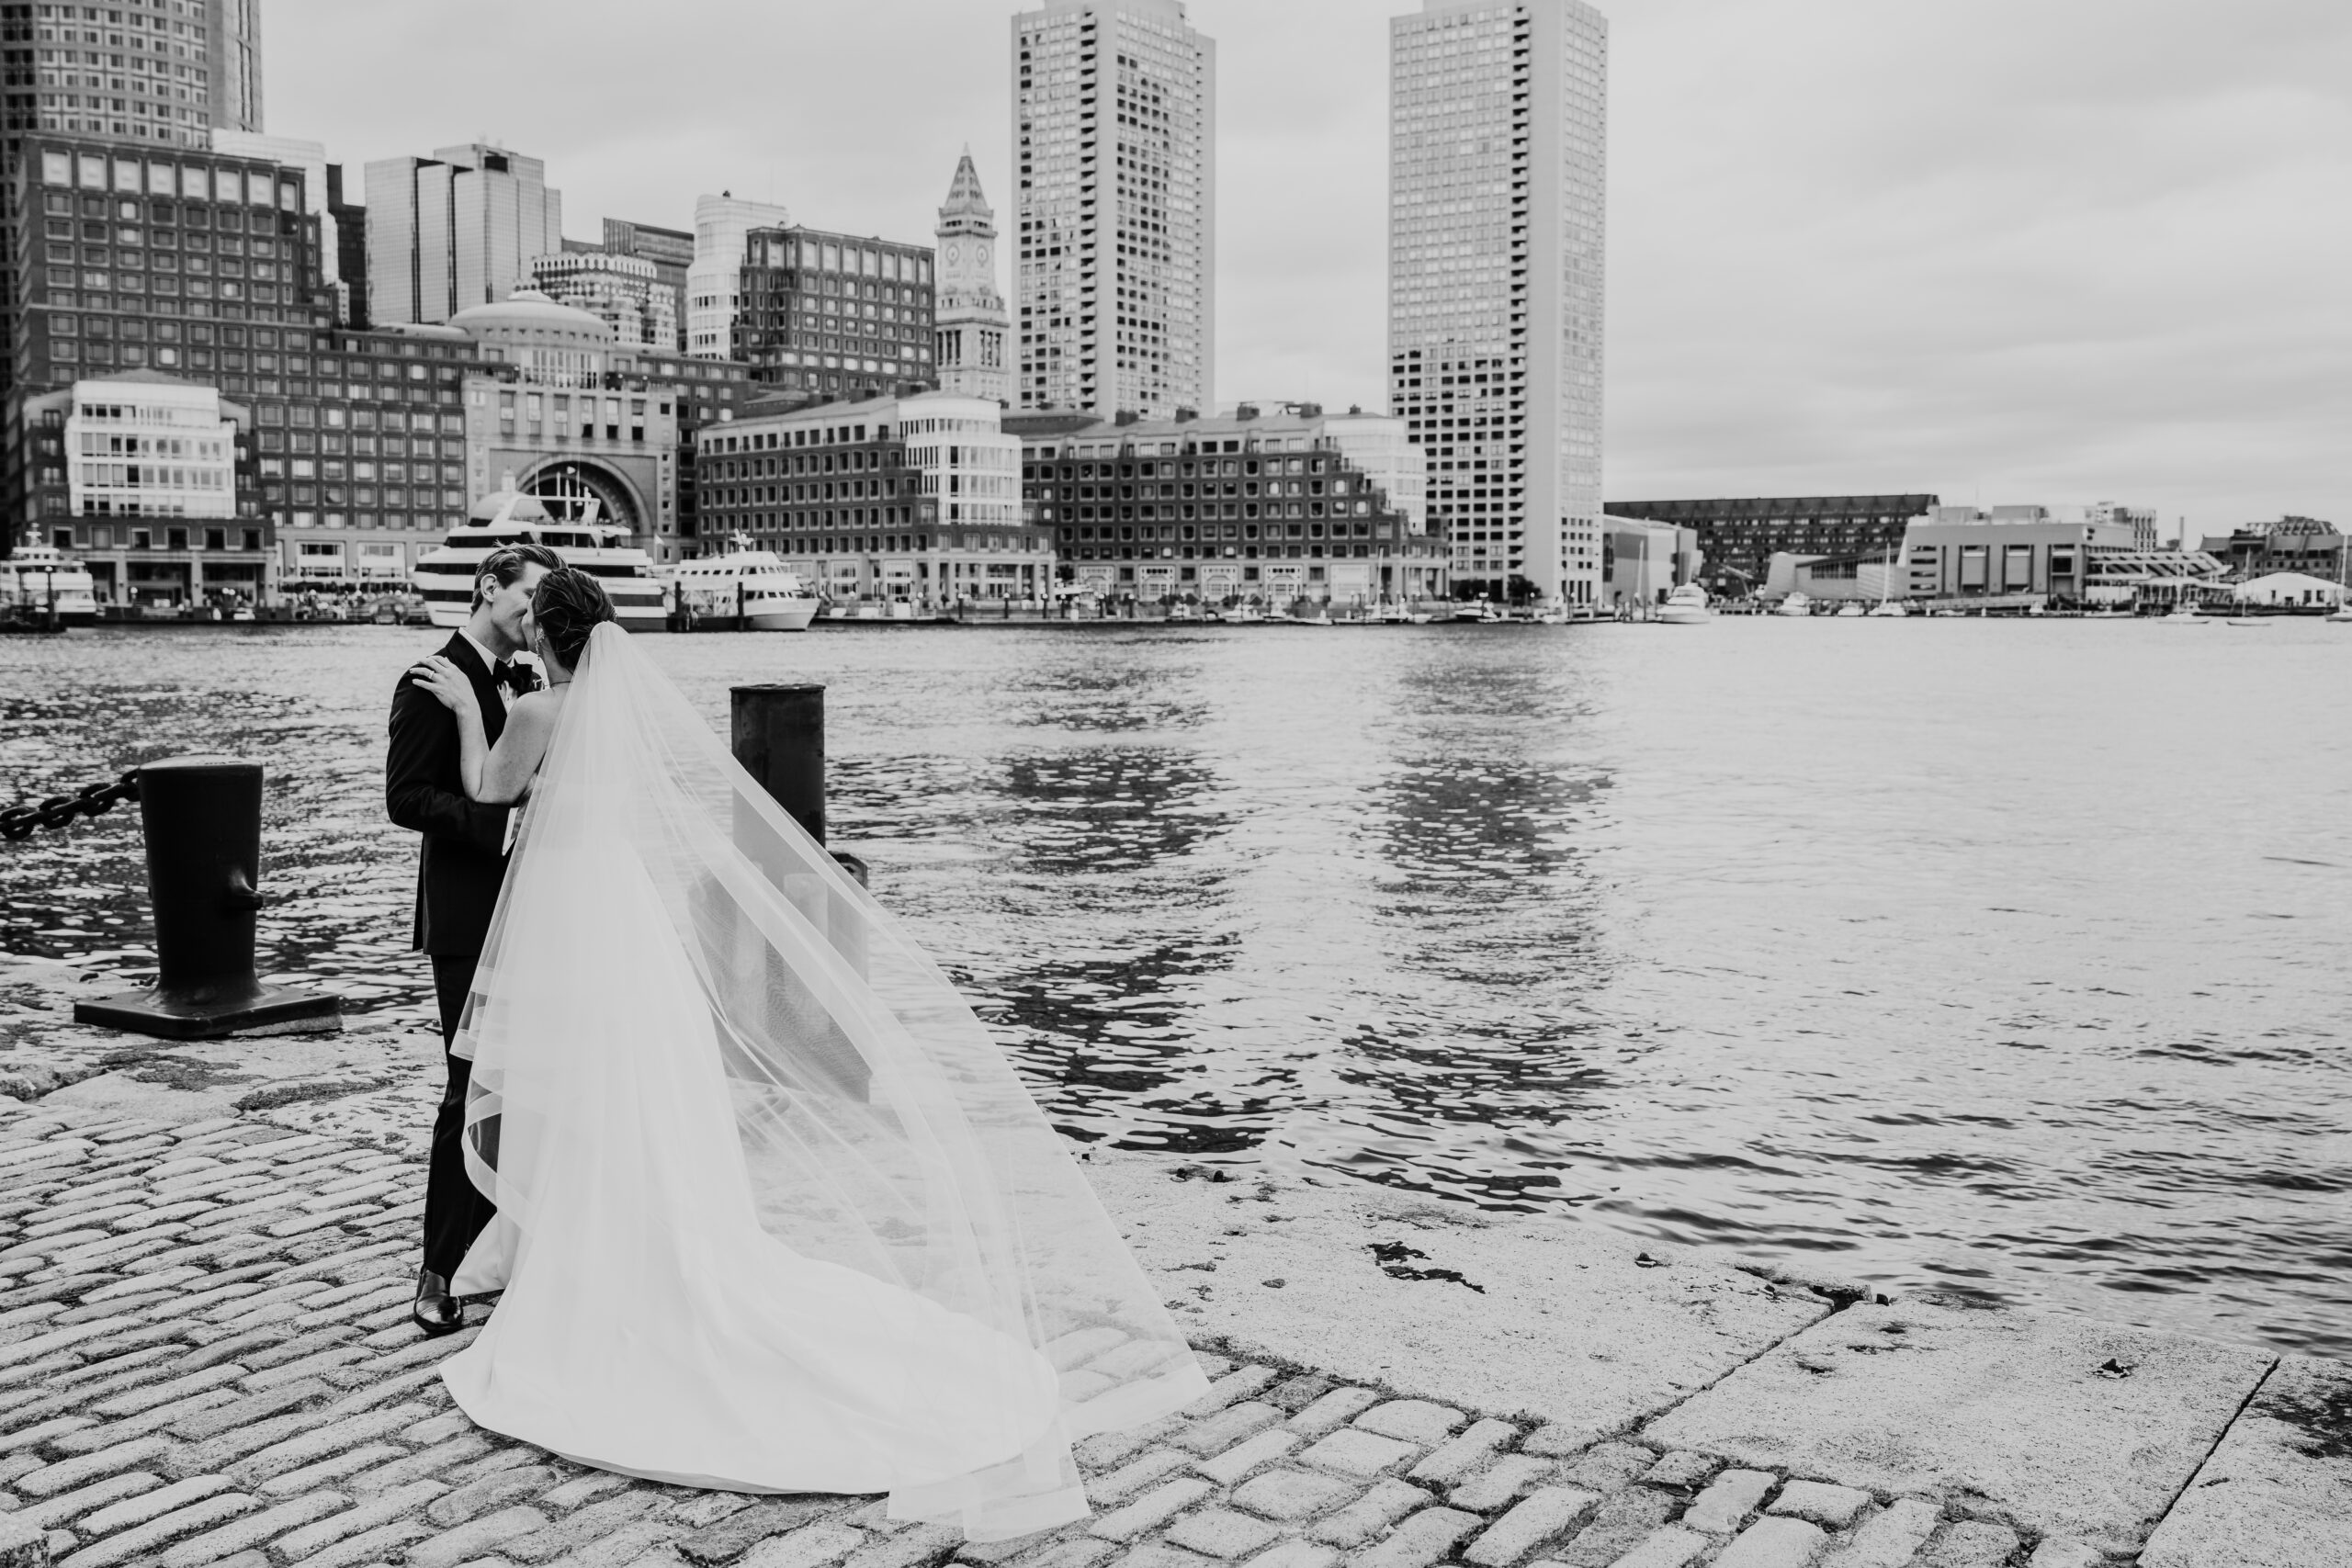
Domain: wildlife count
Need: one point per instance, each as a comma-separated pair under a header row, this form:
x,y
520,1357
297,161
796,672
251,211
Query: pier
x,y
206,1252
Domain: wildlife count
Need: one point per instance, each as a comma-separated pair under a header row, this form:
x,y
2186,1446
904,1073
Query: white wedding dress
x,y
775,1214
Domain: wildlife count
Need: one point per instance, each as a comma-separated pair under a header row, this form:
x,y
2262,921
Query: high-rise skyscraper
x,y
714,283
972,325
160,71
1115,138
1497,196
453,229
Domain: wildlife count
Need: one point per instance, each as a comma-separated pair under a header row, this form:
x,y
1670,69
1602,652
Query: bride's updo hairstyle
x,y
567,605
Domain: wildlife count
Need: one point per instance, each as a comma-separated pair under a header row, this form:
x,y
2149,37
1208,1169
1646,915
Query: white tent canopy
x,y
2287,589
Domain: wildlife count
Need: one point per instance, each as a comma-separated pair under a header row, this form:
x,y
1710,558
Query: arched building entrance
x,y
576,491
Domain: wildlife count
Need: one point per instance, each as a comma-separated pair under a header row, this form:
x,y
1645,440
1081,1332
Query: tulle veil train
x,y
775,1212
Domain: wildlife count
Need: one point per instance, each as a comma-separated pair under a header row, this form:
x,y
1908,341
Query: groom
x,y
462,863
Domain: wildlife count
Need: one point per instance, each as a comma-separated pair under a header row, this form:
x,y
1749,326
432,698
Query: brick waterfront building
x,y
828,315
1273,506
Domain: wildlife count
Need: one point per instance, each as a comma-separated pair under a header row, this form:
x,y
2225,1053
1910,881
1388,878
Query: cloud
x,y
2017,250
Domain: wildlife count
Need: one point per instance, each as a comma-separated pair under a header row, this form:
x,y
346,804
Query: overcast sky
x,y
2006,251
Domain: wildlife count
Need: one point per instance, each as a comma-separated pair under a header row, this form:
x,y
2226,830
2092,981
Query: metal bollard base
x,y
854,866
272,1009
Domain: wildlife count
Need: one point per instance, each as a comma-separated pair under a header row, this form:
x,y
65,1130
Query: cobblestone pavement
x,y
204,1357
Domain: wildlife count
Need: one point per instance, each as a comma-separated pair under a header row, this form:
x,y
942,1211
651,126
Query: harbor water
x,y
2001,959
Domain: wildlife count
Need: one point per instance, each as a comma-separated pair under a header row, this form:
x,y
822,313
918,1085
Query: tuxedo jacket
x,y
459,874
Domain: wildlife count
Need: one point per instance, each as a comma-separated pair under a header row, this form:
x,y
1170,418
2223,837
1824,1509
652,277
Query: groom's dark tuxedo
x,y
462,863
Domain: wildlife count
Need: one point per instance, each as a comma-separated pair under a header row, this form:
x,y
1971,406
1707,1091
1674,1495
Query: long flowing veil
x,y
667,937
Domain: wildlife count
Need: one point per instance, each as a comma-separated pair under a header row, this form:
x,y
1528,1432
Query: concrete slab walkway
x,y
204,1359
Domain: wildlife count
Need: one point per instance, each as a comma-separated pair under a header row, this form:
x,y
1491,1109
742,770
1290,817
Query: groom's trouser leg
x,y
455,1209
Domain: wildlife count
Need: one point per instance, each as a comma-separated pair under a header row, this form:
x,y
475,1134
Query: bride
x,y
774,1212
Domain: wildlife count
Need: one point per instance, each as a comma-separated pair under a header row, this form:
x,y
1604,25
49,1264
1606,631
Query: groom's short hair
x,y
508,563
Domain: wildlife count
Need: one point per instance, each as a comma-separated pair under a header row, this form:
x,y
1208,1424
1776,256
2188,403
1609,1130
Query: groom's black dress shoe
x,y
436,1311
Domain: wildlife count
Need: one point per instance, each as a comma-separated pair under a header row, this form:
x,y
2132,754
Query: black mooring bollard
x,y
202,820
777,732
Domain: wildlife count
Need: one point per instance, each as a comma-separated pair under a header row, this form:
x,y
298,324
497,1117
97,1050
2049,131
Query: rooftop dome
x,y
528,314
527,507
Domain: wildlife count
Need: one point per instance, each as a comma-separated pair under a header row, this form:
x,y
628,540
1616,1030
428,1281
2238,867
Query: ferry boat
x,y
445,576
29,577
754,584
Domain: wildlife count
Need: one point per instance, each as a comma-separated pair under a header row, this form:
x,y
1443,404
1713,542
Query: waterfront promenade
x,y
205,1257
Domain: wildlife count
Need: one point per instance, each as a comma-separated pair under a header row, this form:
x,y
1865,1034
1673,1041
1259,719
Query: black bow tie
x,y
515,678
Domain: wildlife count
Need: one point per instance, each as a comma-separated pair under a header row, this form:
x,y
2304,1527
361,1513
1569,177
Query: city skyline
x,y
2115,285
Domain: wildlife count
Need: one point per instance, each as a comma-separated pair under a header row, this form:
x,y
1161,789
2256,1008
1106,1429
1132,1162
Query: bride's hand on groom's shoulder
x,y
446,681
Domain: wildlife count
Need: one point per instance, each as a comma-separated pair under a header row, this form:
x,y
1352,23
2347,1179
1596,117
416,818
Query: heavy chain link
x,y
60,810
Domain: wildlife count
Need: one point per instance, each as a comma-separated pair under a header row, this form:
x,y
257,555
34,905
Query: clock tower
x,y
973,326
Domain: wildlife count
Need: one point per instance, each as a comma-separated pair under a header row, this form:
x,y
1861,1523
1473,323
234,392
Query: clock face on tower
x,y
954,254
980,254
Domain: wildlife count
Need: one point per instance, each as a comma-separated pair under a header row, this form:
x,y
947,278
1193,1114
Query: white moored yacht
x,y
1686,607
445,576
37,576
747,584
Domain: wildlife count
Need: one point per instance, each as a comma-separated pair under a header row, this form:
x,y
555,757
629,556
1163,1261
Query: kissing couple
x,y
769,1210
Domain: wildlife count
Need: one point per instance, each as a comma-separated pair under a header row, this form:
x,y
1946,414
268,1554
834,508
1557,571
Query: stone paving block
x,y
1970,1544
1832,1507
72,1506
67,1474
1457,1457
1725,1506
1622,1523
92,1440
475,1538
244,1412
1775,1542
294,1483
1151,1510
1226,1427
436,1461
2275,1491
700,1510
1293,1493
1361,1453
1245,1459
154,1503
1221,1532
1495,1486
645,1544
1414,1420
1382,1506
585,1489
1539,1517
1682,1468
1890,1539
253,1529
2055,1553
1333,1411
494,1491
577,1530
391,1508
919,1546
1295,1554
1604,1467
1421,1540
1157,1554
158,1533
2009,1408
1296,1393
1105,1450
729,1538
139,1400
1672,1547
1232,1387
320,1443
1144,1470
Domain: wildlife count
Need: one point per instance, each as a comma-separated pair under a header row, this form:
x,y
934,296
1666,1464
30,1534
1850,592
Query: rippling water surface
x,y
1999,958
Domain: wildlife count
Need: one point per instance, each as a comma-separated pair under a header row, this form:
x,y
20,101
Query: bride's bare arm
x,y
521,746
451,687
